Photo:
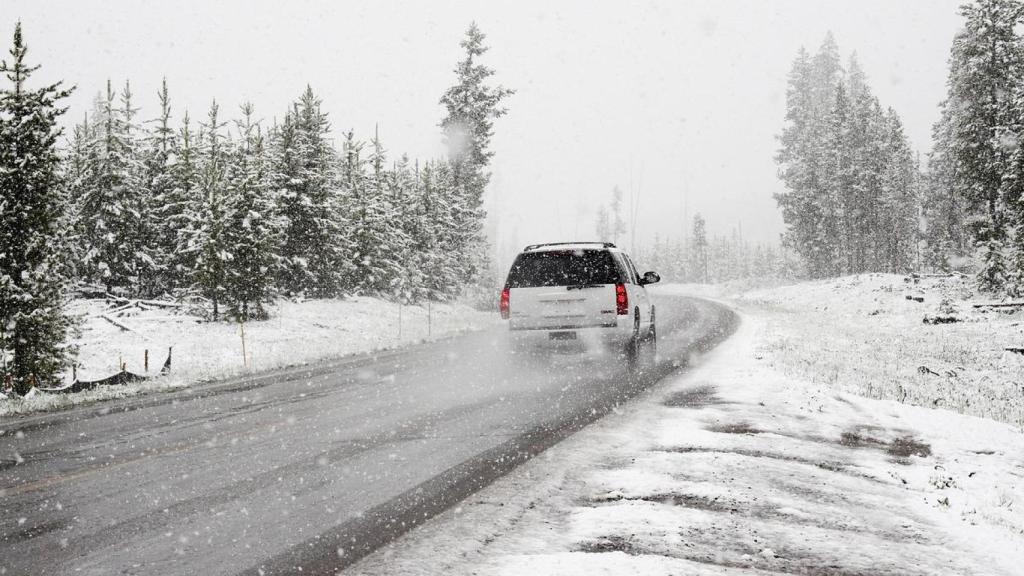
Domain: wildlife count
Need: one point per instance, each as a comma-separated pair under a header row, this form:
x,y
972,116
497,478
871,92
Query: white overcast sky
x,y
678,101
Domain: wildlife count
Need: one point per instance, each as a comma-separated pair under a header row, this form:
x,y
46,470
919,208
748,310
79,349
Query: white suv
x,y
587,291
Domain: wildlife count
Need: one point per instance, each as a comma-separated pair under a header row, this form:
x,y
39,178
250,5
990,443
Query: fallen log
x,y
179,318
998,305
161,303
123,327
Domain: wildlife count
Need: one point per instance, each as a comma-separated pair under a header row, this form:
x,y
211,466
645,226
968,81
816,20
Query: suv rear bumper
x,y
612,336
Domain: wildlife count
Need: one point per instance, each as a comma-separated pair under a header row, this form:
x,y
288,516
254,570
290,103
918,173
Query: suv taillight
x,y
621,299
503,307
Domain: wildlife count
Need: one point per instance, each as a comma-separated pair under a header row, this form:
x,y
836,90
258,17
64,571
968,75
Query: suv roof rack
x,y
535,246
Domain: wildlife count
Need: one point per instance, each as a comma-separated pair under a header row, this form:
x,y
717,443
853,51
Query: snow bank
x,y
297,333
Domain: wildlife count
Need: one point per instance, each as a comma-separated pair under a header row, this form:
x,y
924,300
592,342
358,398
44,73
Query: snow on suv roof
x,y
568,246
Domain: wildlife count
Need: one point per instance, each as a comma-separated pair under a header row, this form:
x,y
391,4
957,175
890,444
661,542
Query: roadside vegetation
x,y
931,341
224,216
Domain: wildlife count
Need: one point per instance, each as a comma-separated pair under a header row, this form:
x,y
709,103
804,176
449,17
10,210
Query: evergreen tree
x,y
251,233
367,216
75,176
165,206
472,106
313,260
110,202
179,209
33,324
208,218
408,283
435,255
141,230
981,117
799,158
899,202
383,261
851,198
943,209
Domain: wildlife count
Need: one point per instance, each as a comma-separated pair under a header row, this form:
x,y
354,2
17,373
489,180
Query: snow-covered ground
x,y
297,333
867,335
740,466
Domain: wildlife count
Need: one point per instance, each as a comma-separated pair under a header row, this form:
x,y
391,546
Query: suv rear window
x,y
563,268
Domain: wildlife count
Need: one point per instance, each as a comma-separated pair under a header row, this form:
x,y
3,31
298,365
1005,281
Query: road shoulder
x,y
733,468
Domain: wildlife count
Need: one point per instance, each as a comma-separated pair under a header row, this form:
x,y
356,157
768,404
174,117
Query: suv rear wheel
x,y
651,356
634,347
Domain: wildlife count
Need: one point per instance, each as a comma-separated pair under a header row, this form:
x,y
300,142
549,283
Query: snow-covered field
x,y
862,334
297,333
741,466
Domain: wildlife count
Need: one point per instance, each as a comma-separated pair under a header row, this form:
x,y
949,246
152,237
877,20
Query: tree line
x,y
855,199
852,185
703,258
973,206
234,212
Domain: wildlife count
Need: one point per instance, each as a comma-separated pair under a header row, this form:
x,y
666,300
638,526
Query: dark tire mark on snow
x,y
757,510
827,465
696,397
900,448
611,544
735,428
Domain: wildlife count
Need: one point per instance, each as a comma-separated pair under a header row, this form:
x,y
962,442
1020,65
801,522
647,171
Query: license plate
x,y
562,335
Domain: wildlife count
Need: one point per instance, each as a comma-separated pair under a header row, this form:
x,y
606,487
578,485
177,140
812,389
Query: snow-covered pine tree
x,y
943,208
112,200
849,174
164,206
837,197
179,208
33,324
293,275
366,214
866,149
207,217
471,107
325,253
408,284
75,177
899,203
826,73
251,234
142,229
382,259
305,184
431,235
986,65
800,159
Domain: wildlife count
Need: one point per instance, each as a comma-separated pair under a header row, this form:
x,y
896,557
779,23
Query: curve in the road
x,y
310,468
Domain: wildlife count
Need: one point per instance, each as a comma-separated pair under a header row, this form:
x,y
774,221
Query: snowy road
x,y
309,467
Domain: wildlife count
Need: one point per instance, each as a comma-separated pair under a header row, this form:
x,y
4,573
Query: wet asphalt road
x,y
307,468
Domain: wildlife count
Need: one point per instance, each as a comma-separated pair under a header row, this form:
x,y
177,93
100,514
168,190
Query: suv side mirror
x,y
650,278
